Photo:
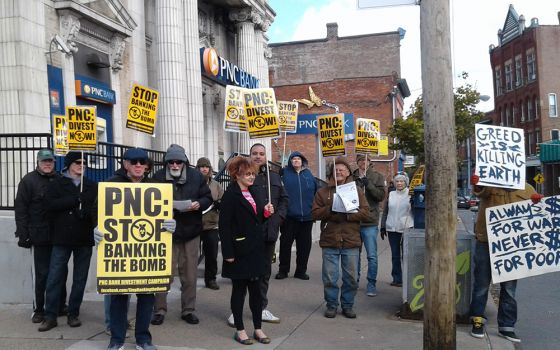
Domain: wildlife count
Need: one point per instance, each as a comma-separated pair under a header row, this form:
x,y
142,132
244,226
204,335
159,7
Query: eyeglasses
x,y
80,162
177,162
138,161
249,174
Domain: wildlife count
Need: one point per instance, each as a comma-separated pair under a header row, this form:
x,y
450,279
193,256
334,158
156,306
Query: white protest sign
x,y
524,239
500,156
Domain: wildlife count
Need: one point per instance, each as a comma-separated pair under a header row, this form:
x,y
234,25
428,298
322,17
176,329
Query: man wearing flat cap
x,y
191,196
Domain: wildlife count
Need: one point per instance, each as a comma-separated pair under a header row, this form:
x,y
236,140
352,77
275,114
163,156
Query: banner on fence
x,y
60,135
524,239
331,134
82,128
142,109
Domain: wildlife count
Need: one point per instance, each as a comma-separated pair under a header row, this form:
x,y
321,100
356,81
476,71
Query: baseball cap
x,y
45,154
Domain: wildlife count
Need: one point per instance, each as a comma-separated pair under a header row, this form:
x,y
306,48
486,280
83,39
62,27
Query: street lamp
x,y
482,98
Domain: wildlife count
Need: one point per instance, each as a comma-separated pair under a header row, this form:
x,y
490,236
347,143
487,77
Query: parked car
x,y
473,201
462,203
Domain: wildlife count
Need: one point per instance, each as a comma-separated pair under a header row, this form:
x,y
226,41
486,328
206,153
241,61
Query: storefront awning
x,y
550,151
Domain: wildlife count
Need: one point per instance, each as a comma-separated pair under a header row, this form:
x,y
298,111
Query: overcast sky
x,y
474,26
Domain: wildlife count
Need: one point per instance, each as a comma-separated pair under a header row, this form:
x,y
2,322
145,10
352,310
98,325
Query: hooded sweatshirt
x,y
301,188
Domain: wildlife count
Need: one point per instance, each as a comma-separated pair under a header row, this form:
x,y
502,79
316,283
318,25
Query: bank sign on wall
x,y
307,123
224,71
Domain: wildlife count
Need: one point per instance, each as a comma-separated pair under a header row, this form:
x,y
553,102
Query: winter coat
x,y
397,215
279,201
210,219
338,230
492,197
301,188
190,185
373,185
71,225
242,233
30,213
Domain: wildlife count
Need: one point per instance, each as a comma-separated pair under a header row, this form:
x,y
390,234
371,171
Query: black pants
x,y
268,254
210,247
42,261
300,231
238,292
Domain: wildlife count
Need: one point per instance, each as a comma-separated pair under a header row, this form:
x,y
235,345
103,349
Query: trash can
x,y
419,206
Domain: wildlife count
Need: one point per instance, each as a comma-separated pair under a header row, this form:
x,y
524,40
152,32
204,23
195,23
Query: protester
x,y
135,165
397,217
507,305
241,227
373,185
209,234
191,196
279,199
301,187
69,202
32,228
340,241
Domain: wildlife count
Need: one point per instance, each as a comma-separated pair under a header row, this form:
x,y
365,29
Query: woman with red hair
x,y
242,214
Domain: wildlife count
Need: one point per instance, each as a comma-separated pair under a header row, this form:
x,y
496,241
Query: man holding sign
x,y
507,306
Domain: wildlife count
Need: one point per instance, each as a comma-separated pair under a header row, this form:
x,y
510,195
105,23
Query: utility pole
x,y
441,176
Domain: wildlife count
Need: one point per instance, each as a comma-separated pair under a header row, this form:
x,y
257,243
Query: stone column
x,y
69,28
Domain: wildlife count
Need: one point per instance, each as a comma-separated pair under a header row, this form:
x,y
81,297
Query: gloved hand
x,y
364,181
24,242
97,235
383,233
169,225
474,179
536,198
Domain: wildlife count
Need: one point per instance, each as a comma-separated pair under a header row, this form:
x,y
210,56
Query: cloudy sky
x,y
474,26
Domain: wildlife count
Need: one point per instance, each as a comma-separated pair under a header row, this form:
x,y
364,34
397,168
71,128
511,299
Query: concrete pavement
x,y
299,304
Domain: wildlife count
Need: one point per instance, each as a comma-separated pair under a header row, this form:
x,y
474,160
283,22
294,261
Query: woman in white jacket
x,y
397,217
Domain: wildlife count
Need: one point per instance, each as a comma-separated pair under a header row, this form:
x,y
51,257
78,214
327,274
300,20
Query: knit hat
x,y
45,154
73,156
203,161
175,152
135,153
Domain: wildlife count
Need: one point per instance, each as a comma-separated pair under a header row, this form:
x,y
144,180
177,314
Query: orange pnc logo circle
x,y
211,62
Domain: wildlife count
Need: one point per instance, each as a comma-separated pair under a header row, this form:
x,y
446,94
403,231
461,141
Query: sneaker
x,y
145,346
371,291
231,321
115,347
74,321
38,317
477,330
190,318
268,316
47,325
510,335
330,312
349,313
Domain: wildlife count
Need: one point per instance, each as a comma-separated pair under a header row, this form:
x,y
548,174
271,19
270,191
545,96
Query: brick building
x,y
359,74
526,85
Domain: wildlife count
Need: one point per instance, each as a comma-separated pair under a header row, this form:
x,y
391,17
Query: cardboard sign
x,y
82,128
135,253
60,135
383,146
235,118
331,134
367,136
142,109
524,239
287,116
260,109
500,156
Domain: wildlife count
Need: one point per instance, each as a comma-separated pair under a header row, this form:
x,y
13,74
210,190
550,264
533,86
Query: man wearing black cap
x,y
69,203
32,229
191,196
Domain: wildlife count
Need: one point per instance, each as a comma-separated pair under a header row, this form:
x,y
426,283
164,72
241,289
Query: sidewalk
x,y
298,303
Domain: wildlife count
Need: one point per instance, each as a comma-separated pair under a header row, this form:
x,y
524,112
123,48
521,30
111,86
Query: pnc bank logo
x,y
87,89
211,61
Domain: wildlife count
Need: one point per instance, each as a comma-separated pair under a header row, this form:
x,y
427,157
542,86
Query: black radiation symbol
x,y
330,143
134,113
365,142
232,113
142,230
259,122
283,119
79,136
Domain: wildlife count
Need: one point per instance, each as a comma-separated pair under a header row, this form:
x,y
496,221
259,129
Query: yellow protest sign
x,y
135,253
60,135
383,146
331,134
417,178
367,136
82,128
260,109
142,109
287,116
235,119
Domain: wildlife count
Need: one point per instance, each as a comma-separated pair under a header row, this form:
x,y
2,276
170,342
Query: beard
x,y
175,172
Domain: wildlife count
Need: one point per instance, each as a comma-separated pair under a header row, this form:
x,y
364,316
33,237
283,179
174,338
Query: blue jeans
x,y
507,306
348,260
107,306
119,320
395,241
58,270
369,238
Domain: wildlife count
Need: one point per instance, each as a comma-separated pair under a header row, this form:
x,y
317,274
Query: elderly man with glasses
x,y
191,196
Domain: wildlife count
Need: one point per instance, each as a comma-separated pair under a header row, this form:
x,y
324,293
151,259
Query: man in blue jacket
x,y
301,186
